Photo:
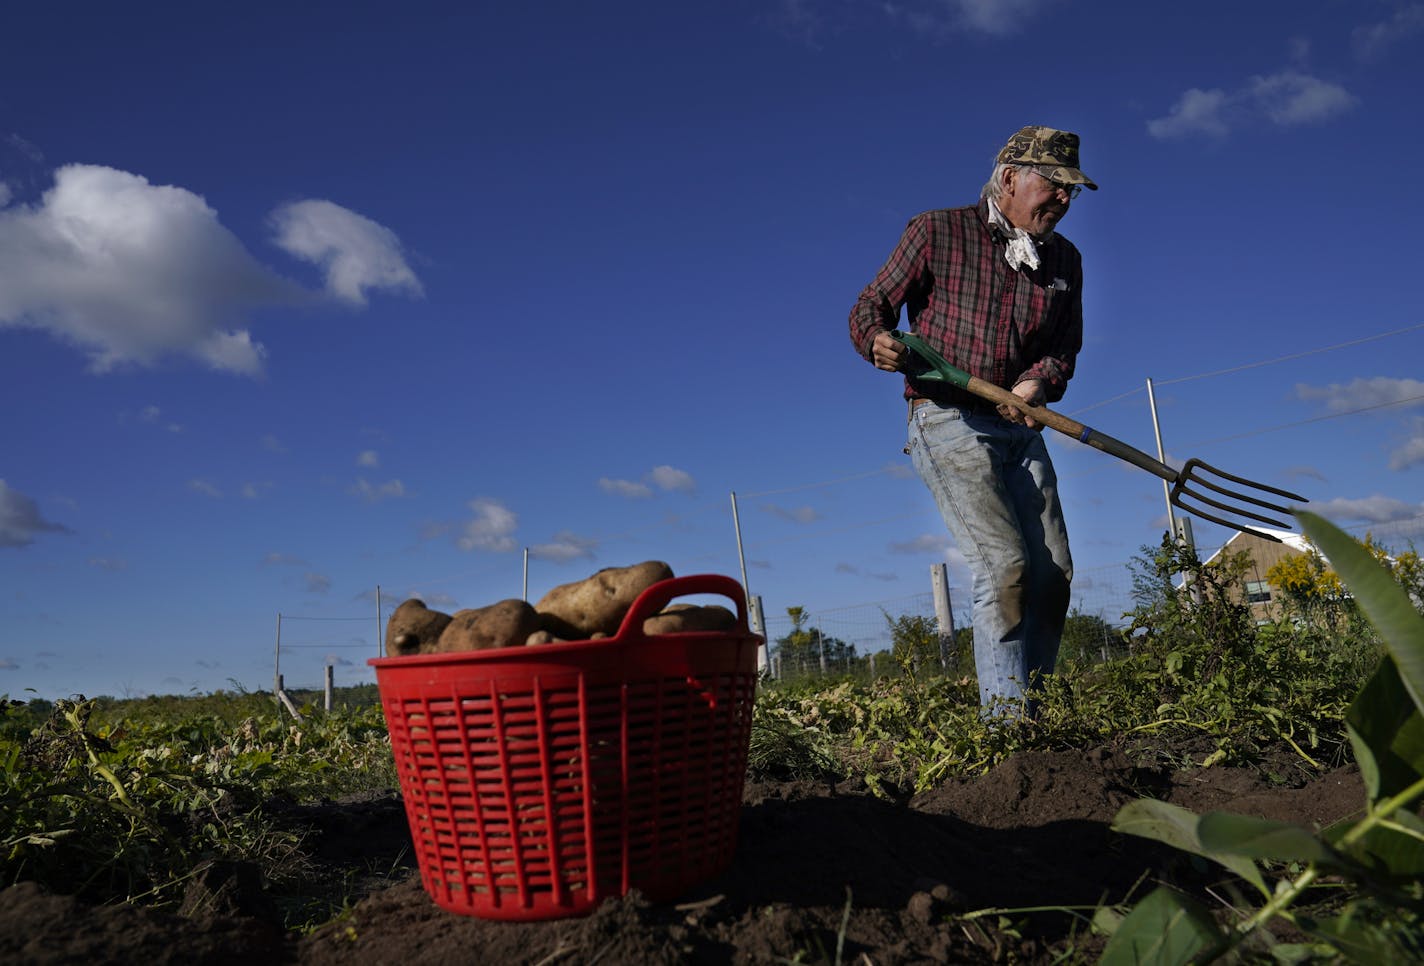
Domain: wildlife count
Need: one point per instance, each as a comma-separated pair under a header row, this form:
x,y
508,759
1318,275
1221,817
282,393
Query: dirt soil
x,y
822,874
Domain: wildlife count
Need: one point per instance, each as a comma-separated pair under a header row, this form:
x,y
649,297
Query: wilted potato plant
x,y
112,805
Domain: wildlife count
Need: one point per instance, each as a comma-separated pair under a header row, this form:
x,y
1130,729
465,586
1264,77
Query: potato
x,y
505,624
595,607
414,628
690,617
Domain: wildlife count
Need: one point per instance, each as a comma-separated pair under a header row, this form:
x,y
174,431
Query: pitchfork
x,y
1182,481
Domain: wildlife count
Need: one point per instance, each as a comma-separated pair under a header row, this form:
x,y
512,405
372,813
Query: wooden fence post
x,y
939,581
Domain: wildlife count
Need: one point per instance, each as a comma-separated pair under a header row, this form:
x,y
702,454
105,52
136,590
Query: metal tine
x,y
1184,480
1227,523
1244,482
1179,491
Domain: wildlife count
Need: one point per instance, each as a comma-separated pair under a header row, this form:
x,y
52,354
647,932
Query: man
x,y
997,292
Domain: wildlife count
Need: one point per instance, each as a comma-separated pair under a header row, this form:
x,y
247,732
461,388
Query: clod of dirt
x,y
226,888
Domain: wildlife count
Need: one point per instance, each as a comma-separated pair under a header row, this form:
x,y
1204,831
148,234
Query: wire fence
x,y
1104,593
303,652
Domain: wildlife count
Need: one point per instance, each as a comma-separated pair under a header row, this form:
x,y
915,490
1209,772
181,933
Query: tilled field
x,y
822,874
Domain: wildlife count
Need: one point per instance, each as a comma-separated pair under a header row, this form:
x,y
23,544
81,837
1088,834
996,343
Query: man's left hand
x,y
1031,392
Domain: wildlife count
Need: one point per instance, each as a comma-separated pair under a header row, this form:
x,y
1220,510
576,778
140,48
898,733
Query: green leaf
x,y
1177,827
1387,734
1384,601
1164,929
1106,919
1290,953
1260,838
1360,940
1396,849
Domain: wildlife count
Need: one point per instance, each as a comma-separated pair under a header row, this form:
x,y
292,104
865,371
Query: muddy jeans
x,y
995,486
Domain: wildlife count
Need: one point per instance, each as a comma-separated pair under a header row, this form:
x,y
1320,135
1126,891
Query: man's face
x,y
1031,202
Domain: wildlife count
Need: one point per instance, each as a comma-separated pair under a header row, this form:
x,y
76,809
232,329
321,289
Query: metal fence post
x,y
758,623
939,581
277,660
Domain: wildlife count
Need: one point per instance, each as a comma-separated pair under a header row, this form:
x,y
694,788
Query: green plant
x,y
124,800
1379,857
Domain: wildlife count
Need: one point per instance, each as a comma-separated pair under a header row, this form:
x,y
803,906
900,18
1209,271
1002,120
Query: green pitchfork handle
x,y
942,371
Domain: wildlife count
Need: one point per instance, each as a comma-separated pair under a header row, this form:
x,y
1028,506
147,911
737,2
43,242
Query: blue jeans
x,y
995,487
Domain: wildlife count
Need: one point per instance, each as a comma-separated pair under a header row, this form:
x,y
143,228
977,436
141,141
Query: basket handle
x,y
664,592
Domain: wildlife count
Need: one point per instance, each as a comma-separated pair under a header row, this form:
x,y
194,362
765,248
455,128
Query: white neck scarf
x,y
1022,250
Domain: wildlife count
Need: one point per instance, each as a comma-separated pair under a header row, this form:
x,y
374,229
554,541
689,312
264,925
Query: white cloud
x,y
391,489
272,444
1411,452
1370,41
131,272
941,18
6,193
853,571
672,478
1363,393
1289,98
205,487
565,546
667,478
152,414
1196,112
368,457
21,520
799,514
795,20
27,148
316,583
1285,99
491,528
1370,509
628,488
925,543
275,559
111,564
356,253
995,16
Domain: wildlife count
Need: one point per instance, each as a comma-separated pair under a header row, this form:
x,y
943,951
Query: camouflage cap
x,y
1049,148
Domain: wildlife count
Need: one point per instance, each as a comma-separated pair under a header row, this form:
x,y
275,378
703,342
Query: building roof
x,y
1296,541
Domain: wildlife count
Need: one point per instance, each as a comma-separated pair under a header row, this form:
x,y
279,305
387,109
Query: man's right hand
x,y
889,354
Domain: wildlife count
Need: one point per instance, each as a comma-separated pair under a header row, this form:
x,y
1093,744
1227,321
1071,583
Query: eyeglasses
x,y
1070,190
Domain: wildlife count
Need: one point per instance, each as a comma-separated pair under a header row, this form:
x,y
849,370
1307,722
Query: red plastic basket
x,y
539,781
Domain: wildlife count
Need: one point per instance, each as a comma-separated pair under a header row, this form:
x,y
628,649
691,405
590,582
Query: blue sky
x,y
298,300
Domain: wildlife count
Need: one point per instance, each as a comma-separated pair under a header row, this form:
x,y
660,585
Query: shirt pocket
x,y
1042,297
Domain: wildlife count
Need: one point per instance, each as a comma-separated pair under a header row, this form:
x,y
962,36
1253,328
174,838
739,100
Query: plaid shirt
x,y
994,322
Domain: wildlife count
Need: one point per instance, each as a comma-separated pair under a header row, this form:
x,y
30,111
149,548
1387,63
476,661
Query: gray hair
x,y
995,185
